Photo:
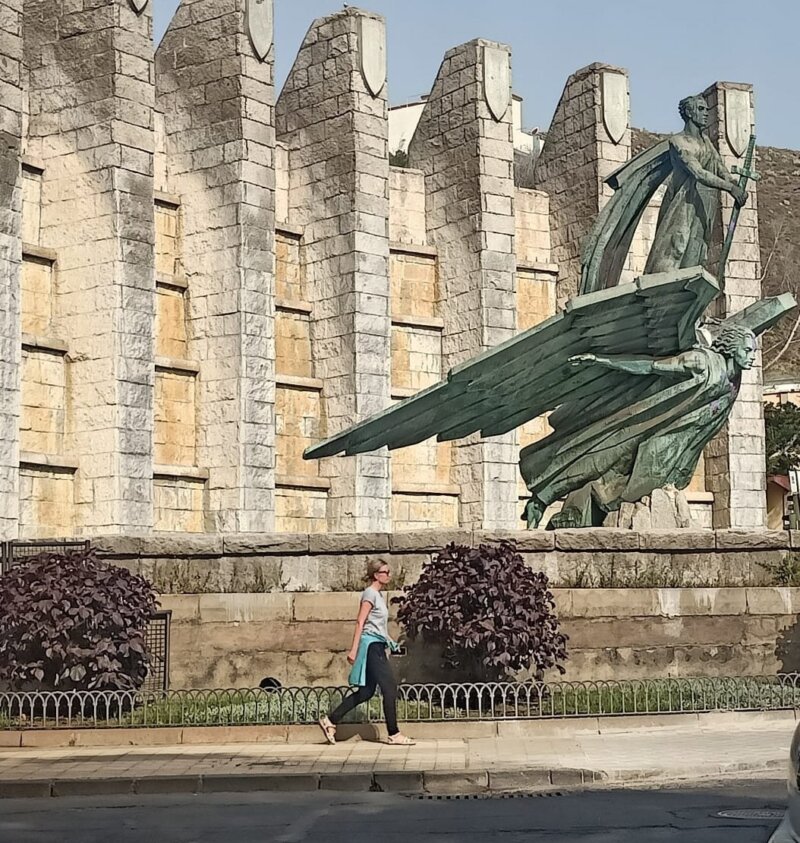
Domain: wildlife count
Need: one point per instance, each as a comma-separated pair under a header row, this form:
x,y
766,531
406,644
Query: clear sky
x,y
670,47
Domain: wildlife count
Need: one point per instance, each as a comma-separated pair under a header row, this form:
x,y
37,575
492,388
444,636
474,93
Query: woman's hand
x,y
351,656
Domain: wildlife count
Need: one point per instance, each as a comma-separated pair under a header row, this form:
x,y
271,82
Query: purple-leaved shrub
x,y
488,612
73,622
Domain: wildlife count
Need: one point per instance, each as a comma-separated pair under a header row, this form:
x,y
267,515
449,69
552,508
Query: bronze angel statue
x,y
635,381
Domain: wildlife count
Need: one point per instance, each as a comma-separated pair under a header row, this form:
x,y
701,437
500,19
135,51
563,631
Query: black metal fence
x,y
14,552
157,632
438,703
156,639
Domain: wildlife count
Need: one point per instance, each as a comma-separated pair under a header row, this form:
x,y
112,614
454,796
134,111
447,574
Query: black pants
x,y
379,673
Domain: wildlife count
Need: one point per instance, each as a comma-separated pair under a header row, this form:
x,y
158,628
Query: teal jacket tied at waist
x,y
358,673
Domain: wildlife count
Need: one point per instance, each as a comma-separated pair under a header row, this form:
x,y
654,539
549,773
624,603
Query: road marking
x,y
751,814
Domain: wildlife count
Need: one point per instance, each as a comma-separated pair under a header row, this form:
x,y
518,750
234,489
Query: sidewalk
x,y
556,759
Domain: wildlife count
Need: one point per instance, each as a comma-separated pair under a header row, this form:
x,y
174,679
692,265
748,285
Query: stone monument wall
x,y
11,108
87,299
217,397
464,145
588,139
199,282
332,117
735,459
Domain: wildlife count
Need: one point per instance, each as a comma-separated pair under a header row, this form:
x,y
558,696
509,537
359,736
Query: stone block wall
x,y
423,492
46,499
31,203
281,183
636,605
11,86
38,292
174,436
201,286
179,497
220,640
735,459
171,334
463,144
217,98
44,402
301,493
407,206
536,286
179,502
89,140
588,138
167,244
335,128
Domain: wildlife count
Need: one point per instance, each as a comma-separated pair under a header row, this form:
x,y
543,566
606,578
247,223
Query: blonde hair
x,y
373,566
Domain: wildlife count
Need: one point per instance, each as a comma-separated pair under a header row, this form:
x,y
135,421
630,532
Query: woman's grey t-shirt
x,y
377,622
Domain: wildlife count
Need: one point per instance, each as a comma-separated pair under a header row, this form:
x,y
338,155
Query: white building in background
x,y
403,120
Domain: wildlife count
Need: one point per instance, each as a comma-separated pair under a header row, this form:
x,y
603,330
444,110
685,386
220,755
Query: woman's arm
x,y
363,613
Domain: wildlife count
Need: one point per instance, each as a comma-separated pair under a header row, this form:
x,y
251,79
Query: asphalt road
x,y
605,816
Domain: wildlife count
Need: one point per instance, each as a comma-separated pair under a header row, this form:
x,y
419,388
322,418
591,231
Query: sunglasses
x,y
383,571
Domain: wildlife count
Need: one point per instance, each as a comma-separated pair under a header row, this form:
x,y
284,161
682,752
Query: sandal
x,y
400,740
328,729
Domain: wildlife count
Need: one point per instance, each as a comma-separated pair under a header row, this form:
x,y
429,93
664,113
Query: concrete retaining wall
x,y
635,605
234,640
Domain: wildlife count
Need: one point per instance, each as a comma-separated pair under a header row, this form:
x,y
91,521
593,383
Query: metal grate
x,y
448,797
14,552
156,638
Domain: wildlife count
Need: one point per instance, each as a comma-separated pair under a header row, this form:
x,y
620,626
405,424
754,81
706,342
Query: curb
x,y
441,783
433,783
309,733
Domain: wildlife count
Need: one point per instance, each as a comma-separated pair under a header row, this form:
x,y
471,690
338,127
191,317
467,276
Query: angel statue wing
x,y
530,374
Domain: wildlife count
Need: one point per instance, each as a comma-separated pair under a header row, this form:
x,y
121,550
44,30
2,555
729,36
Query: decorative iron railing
x,y
416,703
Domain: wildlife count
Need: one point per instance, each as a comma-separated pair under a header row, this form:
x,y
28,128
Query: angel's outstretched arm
x,y
679,366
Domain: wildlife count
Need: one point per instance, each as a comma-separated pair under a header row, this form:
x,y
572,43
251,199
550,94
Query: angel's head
x,y
737,343
694,109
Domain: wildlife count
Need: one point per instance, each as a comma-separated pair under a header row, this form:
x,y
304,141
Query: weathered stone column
x,y
735,463
91,126
332,116
215,68
464,145
589,137
10,260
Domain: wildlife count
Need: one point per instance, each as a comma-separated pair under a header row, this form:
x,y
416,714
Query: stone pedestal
x,y
665,509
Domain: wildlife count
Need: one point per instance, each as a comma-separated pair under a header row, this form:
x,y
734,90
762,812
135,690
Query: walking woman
x,y
371,668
